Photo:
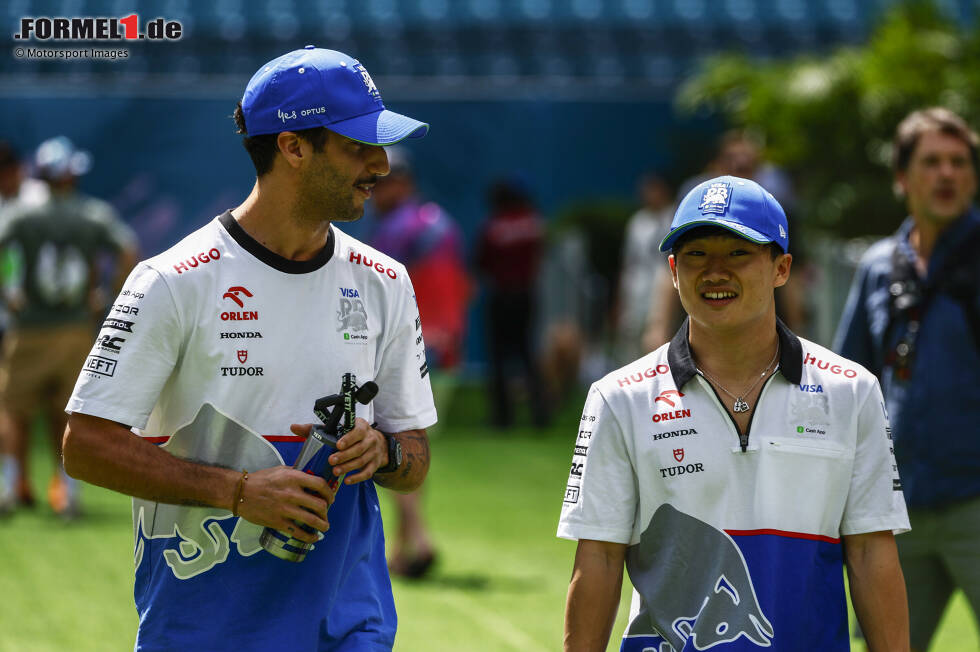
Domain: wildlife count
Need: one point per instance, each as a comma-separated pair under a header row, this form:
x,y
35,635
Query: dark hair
x,y
509,194
262,149
935,118
708,231
9,157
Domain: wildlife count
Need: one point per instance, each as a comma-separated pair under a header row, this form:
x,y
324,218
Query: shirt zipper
x,y
743,438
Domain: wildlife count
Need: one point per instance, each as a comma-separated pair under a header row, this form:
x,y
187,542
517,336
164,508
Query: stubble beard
x,y
330,197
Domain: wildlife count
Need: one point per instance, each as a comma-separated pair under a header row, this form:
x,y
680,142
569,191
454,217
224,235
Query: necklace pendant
x,y
740,406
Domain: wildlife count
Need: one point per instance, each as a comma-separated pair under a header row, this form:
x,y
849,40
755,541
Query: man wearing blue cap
x,y
214,347
735,468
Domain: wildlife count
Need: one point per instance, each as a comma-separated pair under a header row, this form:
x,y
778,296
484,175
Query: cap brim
x,y
741,231
381,128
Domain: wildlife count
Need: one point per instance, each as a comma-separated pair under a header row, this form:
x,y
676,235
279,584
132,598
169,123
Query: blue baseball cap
x,y
740,205
314,87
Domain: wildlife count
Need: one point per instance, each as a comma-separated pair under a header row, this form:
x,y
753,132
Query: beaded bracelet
x,y
239,493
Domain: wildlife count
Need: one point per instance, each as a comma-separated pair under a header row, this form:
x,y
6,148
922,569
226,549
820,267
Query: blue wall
x,y
170,164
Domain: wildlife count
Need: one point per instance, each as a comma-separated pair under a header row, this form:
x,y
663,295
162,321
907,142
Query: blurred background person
x,y
913,319
508,254
51,287
642,265
426,239
16,189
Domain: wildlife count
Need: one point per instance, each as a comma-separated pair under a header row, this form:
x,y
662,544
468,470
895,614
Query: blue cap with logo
x,y
740,205
314,87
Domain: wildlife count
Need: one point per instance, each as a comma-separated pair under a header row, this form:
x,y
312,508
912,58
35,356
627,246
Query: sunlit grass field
x,y
492,500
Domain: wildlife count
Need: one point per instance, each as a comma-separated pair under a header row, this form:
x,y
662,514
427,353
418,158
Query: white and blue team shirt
x,y
734,541
211,350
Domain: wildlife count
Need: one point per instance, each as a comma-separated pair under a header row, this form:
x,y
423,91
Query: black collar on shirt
x,y
270,258
682,366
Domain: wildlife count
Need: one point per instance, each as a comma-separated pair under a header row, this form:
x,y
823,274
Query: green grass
x,y
492,501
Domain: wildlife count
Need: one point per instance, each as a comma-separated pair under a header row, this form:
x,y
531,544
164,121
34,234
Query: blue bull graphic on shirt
x,y
201,541
695,587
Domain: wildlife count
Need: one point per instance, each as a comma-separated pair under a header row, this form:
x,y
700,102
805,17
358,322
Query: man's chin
x,y
350,216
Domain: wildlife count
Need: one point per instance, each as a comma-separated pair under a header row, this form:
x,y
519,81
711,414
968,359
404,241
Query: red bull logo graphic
x,y
719,604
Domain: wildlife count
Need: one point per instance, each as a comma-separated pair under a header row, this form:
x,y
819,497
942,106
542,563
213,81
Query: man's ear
x,y
898,185
783,265
291,148
673,269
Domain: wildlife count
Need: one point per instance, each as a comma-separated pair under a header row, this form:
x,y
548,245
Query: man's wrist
x,y
394,454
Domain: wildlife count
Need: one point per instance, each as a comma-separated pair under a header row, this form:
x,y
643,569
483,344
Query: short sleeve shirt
x,y
211,350
732,546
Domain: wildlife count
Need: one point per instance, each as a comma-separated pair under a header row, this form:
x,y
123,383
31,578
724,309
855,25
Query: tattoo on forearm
x,y
407,469
415,460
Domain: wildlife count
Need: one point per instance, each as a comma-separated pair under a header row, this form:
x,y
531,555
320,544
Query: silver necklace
x,y
740,405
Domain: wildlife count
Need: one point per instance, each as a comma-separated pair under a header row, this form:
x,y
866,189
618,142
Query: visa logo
x,y
813,389
349,293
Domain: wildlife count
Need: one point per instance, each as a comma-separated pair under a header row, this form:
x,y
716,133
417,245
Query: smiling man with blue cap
x,y
735,468
214,347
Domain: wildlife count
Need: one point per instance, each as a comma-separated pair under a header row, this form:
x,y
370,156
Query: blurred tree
x,y
829,120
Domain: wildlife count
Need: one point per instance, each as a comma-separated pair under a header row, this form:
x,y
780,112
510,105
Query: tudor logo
x,y
234,293
679,454
665,396
242,356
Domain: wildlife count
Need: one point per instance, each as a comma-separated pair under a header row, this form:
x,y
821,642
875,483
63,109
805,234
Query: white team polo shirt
x,y
660,465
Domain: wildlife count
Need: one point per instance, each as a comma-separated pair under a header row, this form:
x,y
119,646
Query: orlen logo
x,y
235,293
367,262
201,259
668,397
665,396
833,368
638,377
